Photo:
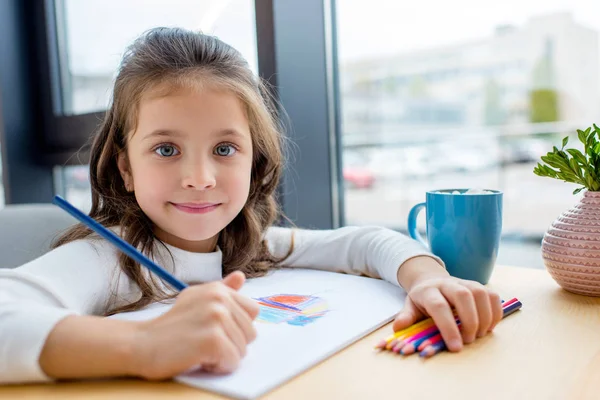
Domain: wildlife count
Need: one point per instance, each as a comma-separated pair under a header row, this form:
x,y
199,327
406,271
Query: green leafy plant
x,y
571,165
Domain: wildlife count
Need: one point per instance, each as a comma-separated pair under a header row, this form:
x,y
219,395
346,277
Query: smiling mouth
x,y
196,208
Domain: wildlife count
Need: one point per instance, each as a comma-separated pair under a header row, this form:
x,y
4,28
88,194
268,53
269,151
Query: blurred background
x,y
421,96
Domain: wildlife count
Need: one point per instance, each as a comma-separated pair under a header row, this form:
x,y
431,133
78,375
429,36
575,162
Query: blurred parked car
x,y
359,178
355,172
467,156
397,163
525,150
77,177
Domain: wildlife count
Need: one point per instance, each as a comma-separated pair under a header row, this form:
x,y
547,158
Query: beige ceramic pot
x,y
571,247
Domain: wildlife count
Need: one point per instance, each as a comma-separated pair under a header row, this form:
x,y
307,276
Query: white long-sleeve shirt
x,y
83,278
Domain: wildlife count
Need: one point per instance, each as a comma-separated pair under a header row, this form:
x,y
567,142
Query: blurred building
x,y
546,70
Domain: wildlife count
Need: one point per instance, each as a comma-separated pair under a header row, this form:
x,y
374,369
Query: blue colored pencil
x,y
120,243
511,308
437,347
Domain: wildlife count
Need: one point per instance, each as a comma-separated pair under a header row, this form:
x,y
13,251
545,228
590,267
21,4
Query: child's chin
x,y
198,236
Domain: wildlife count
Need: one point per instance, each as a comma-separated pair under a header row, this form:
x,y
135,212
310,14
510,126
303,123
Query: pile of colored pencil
x,y
425,337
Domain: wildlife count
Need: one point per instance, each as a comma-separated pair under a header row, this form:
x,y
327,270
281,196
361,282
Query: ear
x,y
125,171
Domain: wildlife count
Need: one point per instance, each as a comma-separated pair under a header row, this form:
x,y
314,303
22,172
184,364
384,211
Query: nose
x,y
198,174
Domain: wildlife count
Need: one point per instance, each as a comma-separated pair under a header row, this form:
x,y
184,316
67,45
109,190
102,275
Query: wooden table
x,y
548,350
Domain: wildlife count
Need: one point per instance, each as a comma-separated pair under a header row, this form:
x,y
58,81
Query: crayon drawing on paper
x,y
293,309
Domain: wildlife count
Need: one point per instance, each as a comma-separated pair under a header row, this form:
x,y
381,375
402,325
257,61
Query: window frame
x,y
22,90
306,82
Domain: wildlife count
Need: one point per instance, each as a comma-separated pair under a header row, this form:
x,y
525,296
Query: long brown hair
x,y
178,58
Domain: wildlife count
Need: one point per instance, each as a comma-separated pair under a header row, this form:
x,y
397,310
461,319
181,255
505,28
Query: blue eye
x,y
166,150
225,150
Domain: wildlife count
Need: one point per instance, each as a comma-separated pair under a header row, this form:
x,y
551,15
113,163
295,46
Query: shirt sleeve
x,y
372,251
71,279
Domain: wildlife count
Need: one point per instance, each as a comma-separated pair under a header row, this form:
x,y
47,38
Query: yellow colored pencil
x,y
406,331
400,336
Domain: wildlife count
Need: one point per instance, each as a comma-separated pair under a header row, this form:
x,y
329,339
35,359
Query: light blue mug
x,y
463,230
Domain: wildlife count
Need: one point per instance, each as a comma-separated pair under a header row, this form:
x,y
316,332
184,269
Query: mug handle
x,y
412,223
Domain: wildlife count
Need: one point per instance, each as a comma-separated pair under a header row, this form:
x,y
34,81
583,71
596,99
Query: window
x,y
433,97
90,50
93,34
73,183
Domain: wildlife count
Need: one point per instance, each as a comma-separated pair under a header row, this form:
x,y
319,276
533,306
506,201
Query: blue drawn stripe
x,y
282,305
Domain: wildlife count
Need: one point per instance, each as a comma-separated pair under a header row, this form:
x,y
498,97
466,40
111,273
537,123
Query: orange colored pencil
x,y
392,340
396,335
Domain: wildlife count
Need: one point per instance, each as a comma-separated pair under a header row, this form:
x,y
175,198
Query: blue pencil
x,y
120,243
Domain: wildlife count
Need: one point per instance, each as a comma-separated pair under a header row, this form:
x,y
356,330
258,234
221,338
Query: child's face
x,y
190,161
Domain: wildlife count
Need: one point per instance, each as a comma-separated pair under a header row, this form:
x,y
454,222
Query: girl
x,y
184,167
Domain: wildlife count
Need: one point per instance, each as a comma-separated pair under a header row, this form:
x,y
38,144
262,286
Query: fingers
x,y
497,313
407,316
235,280
489,306
482,305
243,320
438,308
231,327
228,359
248,305
464,303
230,311
240,331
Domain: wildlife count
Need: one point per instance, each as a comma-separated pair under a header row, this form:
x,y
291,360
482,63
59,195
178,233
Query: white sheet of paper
x,y
355,306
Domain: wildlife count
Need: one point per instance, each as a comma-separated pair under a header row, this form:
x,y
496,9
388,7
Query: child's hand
x,y
209,325
435,294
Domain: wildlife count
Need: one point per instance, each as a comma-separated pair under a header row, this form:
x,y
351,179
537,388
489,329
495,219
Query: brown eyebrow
x,y
232,132
163,133
172,133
